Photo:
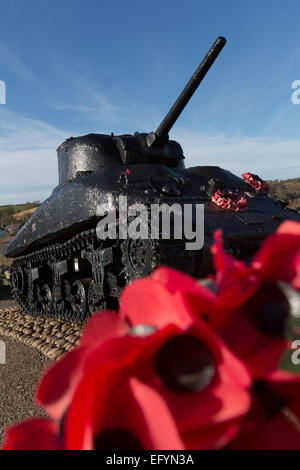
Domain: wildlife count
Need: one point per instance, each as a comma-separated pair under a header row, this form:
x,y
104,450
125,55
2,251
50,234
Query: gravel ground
x,y
18,379
28,342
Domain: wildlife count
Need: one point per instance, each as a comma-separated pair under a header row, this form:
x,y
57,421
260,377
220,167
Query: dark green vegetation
x,y
288,190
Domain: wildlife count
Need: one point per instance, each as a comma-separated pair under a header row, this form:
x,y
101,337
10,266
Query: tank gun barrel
x,y
167,123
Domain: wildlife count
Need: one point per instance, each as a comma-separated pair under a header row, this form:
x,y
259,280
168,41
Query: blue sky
x,y
72,67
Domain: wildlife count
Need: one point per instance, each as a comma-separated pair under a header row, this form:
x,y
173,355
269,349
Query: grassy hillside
x,y
288,190
7,212
24,215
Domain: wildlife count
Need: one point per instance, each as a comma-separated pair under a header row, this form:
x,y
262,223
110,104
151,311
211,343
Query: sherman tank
x,y
63,268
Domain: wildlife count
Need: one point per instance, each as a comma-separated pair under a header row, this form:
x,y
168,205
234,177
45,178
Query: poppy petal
x,y
147,301
34,434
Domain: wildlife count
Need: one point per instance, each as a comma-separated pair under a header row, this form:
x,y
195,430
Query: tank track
x,y
76,277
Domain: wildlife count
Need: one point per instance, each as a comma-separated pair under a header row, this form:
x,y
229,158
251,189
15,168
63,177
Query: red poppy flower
x,y
250,306
57,386
274,420
34,434
166,297
172,388
255,303
195,382
159,377
277,260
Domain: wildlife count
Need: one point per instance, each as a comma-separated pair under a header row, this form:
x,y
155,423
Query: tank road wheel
x,y
96,299
47,300
18,281
138,258
14,282
22,280
79,299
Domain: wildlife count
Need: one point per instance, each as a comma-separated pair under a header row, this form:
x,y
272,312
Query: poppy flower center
x,y
117,439
185,364
272,306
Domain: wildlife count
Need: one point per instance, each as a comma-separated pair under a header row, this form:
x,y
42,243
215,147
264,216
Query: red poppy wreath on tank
x,y
229,200
256,182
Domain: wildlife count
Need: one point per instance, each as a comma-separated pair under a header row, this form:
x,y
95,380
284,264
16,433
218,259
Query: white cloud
x,y
269,157
23,197
27,175
106,111
18,132
102,109
28,162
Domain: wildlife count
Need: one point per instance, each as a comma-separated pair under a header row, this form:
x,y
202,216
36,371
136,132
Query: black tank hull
x,y
61,268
